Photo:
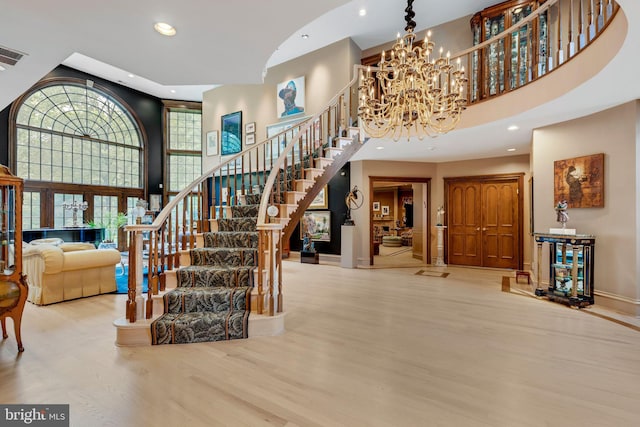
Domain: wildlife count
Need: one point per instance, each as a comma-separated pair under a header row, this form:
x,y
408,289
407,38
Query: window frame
x,y
48,189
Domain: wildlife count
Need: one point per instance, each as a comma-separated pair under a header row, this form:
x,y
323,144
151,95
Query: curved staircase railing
x,y
277,165
305,166
282,158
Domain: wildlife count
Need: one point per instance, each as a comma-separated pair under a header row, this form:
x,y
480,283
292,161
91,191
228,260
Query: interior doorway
x,y
399,221
484,221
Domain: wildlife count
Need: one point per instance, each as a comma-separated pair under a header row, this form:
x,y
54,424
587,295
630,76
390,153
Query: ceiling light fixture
x,y
2,68
513,127
362,12
379,148
131,75
419,93
173,91
511,149
164,29
305,36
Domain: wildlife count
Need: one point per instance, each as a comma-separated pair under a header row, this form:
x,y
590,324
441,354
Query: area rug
x,y
122,279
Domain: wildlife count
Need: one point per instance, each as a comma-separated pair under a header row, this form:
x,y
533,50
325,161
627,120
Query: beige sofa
x,y
67,271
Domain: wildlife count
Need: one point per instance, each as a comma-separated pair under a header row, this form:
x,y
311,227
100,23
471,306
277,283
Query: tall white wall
x,y
613,132
326,72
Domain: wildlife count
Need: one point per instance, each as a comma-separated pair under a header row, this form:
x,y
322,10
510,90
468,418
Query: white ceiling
x,y
234,42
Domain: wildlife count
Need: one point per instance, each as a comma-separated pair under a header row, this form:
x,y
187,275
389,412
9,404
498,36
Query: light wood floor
x,y
395,257
366,347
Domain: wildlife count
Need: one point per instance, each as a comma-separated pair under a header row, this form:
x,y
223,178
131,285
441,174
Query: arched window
x,y
77,135
75,142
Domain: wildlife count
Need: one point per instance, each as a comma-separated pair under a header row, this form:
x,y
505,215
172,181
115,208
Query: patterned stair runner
x,y
213,294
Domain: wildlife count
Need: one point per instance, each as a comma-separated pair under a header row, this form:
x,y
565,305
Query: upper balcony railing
x,y
519,41
543,36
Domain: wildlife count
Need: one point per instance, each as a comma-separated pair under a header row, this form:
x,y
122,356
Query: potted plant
x,y
111,224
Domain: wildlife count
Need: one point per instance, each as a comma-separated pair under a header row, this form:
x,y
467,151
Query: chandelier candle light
x,y
420,94
75,207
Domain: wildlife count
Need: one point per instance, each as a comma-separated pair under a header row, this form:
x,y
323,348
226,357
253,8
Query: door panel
x,y
499,224
464,224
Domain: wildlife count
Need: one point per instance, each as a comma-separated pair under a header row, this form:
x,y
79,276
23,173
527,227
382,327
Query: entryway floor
x,y
390,257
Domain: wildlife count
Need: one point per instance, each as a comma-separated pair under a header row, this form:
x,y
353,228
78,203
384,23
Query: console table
x,y
570,268
68,234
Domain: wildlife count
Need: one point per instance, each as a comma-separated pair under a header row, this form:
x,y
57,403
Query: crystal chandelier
x,y
413,92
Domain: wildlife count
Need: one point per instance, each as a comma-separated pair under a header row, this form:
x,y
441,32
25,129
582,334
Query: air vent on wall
x,y
9,56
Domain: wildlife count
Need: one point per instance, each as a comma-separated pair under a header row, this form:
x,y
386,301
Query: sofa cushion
x,y
79,260
49,241
76,246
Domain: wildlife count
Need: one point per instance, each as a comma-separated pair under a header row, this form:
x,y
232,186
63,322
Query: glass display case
x,y
508,62
570,268
13,285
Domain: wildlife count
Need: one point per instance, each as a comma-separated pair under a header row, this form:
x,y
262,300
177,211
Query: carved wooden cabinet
x,y
13,285
510,62
570,268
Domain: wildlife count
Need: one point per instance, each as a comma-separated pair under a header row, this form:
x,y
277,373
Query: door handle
x,y
484,229
478,229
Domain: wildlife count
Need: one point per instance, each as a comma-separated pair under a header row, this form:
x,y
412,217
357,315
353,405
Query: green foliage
x,y
111,223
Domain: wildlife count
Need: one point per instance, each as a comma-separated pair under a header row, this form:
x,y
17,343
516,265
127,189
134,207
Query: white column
x,y
440,246
348,250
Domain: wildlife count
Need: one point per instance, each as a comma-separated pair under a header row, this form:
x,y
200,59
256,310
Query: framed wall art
x,y
290,97
155,202
250,127
385,210
376,206
579,181
231,141
212,143
317,224
250,139
321,201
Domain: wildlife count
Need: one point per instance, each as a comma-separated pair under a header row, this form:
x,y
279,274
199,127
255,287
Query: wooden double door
x,y
484,221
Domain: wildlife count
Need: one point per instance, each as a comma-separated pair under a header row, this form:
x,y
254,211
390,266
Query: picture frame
x,y
321,201
385,210
579,181
290,97
317,224
376,206
250,128
212,143
231,137
155,202
250,139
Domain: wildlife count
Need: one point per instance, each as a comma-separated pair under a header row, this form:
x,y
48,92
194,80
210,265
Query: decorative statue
x,y
307,244
561,213
353,200
439,214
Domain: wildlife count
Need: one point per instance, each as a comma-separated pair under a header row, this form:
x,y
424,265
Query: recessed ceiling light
x,y
431,148
362,12
164,29
173,91
511,149
131,75
513,127
379,148
305,36
2,68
